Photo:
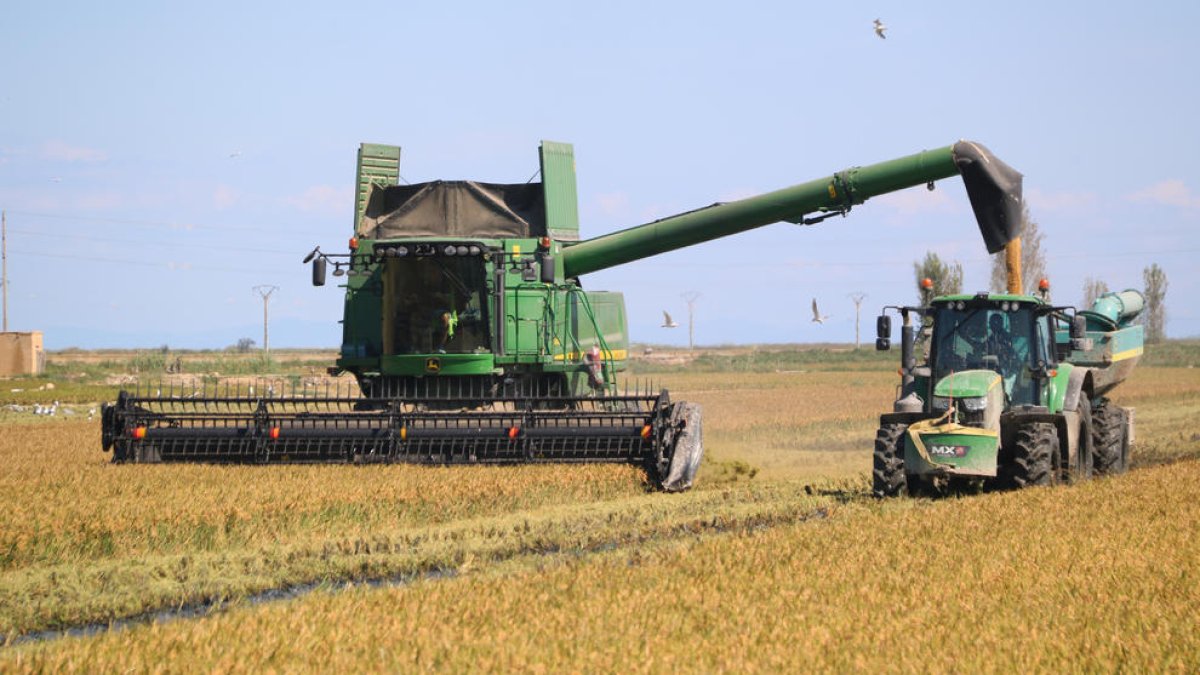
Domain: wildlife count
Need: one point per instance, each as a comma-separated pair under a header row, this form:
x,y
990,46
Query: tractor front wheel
x,y
1108,437
1035,459
888,479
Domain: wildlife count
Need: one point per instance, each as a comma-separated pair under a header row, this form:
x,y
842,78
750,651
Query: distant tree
x,y
1156,311
1092,289
244,345
1033,261
947,277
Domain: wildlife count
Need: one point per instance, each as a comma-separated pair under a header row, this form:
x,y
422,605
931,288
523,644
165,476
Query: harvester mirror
x,y
883,332
547,269
318,271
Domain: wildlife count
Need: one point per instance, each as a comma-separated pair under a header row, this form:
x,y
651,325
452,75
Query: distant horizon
x,y
865,346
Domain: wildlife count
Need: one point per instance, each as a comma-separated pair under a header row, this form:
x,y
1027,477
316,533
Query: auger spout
x,y
994,189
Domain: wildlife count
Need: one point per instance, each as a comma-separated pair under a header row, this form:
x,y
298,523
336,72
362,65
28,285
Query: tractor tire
x,y
888,478
1109,438
1035,457
688,441
1080,470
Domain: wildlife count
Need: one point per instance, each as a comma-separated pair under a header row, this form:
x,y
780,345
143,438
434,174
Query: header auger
x,y
472,340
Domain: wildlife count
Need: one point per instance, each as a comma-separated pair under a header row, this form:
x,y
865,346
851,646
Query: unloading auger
x,y
472,340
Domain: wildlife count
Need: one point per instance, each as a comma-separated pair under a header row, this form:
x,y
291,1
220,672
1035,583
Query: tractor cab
x,y
983,341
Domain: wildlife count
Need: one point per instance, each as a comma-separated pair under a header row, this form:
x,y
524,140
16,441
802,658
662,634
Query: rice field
x,y
778,560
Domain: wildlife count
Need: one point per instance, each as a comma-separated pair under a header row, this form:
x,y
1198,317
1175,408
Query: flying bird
x,y
879,29
235,153
817,316
668,322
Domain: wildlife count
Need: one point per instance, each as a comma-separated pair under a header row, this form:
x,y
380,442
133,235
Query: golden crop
x,y
635,580
1092,577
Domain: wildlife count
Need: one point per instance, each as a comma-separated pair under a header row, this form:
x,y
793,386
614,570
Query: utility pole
x,y
265,291
690,298
858,299
4,262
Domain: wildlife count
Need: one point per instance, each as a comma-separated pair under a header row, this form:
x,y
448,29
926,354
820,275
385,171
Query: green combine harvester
x,y
471,338
1012,393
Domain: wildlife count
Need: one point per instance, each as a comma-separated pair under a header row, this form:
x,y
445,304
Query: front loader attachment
x,y
639,428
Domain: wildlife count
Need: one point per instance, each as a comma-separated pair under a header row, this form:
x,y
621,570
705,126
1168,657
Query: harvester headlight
x,y
399,251
463,250
450,250
960,305
941,403
975,403
475,250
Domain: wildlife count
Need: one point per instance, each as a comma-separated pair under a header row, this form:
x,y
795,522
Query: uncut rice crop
x,y
66,503
1099,576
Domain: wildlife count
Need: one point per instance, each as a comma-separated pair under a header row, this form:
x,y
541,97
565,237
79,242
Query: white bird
x,y
235,153
668,322
817,316
879,29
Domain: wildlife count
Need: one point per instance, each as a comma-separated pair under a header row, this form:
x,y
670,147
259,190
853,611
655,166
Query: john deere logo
x,y
948,450
433,365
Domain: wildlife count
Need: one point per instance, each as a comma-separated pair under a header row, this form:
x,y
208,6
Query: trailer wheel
x,y
888,479
1109,438
688,447
1081,469
1035,456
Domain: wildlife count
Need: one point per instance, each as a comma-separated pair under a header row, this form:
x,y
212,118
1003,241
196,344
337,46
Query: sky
x,y
158,161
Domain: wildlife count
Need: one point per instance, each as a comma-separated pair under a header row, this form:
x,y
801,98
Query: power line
x,y
174,225
143,263
117,240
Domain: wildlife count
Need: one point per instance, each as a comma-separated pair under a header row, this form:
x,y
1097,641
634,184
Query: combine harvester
x,y
1012,392
472,340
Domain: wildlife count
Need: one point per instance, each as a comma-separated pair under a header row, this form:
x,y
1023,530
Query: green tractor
x,y
1011,393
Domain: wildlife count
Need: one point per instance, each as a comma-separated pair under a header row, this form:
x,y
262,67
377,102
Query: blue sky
x,y
158,160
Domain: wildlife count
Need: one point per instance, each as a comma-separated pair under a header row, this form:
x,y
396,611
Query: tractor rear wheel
x,y
1035,459
1108,437
888,479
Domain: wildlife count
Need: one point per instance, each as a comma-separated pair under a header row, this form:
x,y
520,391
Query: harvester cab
x,y
471,338
1010,393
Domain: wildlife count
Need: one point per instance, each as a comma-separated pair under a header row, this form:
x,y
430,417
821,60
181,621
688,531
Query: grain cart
x,y
472,339
1011,394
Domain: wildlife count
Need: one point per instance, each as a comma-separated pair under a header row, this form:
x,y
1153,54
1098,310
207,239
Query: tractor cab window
x,y
987,338
435,305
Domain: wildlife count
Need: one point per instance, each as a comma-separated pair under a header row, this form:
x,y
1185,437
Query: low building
x,y
22,353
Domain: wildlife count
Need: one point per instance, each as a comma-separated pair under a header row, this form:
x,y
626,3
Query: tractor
x,y
1011,392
